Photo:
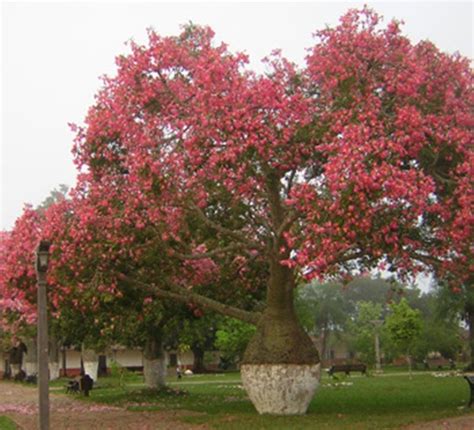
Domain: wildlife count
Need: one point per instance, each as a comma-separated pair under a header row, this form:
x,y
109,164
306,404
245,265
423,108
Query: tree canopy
x,y
197,172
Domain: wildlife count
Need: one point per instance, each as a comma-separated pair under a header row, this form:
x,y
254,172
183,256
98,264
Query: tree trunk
x,y
64,360
53,359
198,363
90,361
31,357
280,339
470,326
280,369
154,363
409,361
324,340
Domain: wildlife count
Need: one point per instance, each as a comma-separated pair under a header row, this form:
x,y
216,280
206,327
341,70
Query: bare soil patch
x,y
20,403
457,423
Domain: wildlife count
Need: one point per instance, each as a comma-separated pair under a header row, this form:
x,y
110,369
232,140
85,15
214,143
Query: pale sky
x,y
53,54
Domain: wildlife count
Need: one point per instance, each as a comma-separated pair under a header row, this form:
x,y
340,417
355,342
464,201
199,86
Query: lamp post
x,y
42,258
378,366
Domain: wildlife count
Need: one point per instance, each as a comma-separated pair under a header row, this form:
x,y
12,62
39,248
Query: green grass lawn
x,y
346,403
7,424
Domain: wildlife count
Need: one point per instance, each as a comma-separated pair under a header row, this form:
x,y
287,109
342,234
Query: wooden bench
x,y
439,364
470,381
347,368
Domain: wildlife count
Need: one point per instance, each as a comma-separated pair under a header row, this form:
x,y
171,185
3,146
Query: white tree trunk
x,y
91,362
15,369
53,370
53,363
30,363
154,364
280,389
154,372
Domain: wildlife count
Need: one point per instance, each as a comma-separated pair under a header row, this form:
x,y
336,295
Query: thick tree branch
x,y
210,254
185,296
429,260
225,231
287,223
289,183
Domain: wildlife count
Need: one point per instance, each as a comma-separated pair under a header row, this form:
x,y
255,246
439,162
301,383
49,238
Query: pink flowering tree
x,y
89,304
360,159
97,248
17,273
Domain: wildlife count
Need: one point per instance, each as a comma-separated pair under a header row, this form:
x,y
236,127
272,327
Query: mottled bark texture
x,y
470,325
90,362
198,363
53,359
31,357
280,339
154,363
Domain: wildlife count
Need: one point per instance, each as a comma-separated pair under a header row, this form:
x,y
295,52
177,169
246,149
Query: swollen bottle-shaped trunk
x,y
280,369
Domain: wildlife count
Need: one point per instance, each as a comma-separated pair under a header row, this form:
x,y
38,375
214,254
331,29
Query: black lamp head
x,y
42,256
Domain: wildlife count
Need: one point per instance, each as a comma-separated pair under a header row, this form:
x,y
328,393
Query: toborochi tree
x,y
359,159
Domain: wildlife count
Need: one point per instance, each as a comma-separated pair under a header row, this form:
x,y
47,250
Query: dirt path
x,y
457,423
20,402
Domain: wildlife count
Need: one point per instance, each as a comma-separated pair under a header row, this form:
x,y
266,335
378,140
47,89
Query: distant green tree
x,y
441,331
363,329
58,194
365,289
404,326
322,309
197,333
232,337
458,304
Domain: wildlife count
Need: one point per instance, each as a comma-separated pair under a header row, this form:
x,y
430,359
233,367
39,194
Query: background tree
x,y
363,330
322,310
452,306
197,333
232,338
404,326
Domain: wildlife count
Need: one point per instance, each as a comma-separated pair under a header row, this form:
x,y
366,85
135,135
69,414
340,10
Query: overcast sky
x,y
53,54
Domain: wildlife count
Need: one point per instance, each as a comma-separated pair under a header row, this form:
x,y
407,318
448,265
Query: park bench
x,y
83,384
347,368
470,381
439,364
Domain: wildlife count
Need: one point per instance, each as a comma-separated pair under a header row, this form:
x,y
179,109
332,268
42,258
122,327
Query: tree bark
x,y
31,358
90,362
64,360
470,325
322,348
154,363
183,295
279,338
409,361
53,359
198,364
